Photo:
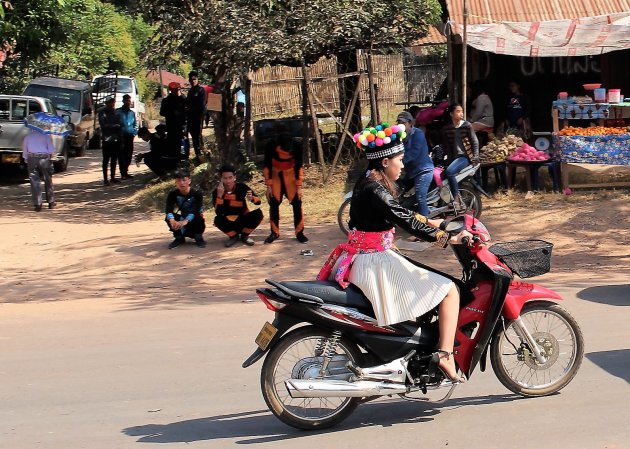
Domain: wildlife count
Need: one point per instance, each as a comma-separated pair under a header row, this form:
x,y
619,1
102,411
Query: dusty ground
x,y
96,245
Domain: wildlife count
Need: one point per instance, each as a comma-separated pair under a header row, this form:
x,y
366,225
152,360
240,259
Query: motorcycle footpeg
x,y
354,369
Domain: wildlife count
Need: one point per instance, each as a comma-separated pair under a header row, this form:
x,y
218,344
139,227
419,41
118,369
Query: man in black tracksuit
x,y
173,109
196,111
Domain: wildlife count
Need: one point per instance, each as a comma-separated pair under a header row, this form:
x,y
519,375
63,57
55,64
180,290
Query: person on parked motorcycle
x,y
418,163
460,146
398,289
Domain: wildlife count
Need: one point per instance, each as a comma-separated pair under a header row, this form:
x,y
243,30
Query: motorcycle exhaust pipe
x,y
321,388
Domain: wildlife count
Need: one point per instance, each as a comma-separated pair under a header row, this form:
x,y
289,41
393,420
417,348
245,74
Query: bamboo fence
x,y
276,91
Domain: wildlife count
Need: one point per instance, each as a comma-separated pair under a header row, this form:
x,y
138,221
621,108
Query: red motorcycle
x,y
326,353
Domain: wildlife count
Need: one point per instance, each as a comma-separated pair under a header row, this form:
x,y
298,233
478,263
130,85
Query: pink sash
x,y
359,242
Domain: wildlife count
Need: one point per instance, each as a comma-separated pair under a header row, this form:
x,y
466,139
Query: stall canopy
x,y
543,27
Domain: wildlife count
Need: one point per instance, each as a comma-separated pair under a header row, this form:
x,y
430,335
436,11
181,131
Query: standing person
x,y
37,151
173,109
184,212
283,176
109,120
461,147
128,130
196,110
418,164
230,202
398,289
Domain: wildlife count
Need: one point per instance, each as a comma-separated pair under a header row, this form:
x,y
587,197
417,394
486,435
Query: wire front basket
x,y
526,258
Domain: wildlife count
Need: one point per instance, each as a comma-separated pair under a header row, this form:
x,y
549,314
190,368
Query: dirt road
x,y
96,246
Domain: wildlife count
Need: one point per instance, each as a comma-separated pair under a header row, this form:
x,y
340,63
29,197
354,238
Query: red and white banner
x,y
576,37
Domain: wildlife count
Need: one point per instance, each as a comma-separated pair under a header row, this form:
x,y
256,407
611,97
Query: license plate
x,y
266,334
11,158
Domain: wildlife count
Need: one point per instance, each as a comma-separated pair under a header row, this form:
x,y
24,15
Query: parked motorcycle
x,y
326,353
439,198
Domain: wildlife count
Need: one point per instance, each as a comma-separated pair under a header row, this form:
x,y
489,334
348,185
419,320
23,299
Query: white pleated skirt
x,y
398,290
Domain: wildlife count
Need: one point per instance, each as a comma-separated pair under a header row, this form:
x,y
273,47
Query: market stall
x,y
597,144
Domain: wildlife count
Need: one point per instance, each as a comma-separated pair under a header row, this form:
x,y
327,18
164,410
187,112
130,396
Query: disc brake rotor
x,y
548,347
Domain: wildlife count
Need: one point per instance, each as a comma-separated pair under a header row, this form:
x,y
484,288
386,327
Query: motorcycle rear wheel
x,y
559,338
343,217
472,200
295,357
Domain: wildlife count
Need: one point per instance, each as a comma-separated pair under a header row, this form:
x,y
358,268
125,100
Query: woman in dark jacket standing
x,y
461,147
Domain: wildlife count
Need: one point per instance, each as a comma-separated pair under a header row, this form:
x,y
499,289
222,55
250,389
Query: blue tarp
x,y
609,150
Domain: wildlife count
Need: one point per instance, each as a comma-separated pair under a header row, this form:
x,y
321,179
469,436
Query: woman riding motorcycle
x,y
398,289
460,145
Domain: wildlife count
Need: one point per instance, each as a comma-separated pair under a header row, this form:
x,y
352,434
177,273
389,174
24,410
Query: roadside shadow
x,y
614,362
614,295
260,426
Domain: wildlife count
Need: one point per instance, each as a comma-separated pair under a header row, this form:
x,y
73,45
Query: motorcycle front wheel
x,y
559,339
299,355
343,217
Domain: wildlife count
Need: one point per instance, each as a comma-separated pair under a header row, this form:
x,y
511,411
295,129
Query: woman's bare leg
x,y
448,314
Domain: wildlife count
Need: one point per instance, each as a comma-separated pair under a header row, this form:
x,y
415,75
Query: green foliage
x,y
240,35
82,37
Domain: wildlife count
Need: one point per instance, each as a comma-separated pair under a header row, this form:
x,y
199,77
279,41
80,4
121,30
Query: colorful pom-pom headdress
x,y
381,140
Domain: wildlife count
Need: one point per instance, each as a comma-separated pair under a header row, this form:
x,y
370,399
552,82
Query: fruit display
x,y
593,131
526,153
499,150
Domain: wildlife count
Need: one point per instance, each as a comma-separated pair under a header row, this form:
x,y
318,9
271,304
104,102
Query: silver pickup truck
x,y
13,110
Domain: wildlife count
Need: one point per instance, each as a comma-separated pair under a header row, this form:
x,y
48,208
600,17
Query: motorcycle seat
x,y
332,293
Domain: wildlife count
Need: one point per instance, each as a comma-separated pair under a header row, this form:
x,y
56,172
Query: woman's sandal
x,y
445,355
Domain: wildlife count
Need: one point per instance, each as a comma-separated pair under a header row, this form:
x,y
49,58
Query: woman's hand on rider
x,y
457,239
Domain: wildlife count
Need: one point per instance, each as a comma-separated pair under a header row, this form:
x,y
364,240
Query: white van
x,y
105,85
13,111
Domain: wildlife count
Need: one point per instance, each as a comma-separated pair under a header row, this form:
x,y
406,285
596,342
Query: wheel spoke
x,y
299,360
557,342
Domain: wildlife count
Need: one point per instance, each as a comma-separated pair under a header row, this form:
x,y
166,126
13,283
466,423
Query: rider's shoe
x,y
458,203
447,366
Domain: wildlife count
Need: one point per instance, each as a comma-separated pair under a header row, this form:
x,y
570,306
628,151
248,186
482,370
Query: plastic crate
x,y
526,258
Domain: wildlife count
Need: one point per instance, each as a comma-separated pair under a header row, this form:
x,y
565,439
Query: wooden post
x,y
318,141
373,108
346,124
247,130
465,60
306,144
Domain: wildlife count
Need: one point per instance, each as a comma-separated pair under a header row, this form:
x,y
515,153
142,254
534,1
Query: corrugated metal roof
x,y
488,11
433,37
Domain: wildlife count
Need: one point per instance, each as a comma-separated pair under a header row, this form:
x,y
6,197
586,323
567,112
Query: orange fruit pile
x,y
592,131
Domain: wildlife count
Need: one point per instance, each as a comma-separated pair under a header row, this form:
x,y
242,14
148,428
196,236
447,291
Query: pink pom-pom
x,y
378,141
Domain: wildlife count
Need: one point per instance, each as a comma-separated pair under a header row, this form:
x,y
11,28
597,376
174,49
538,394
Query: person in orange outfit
x,y
283,176
230,202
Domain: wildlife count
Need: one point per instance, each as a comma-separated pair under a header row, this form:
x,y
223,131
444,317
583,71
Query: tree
x,y
229,38
28,30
